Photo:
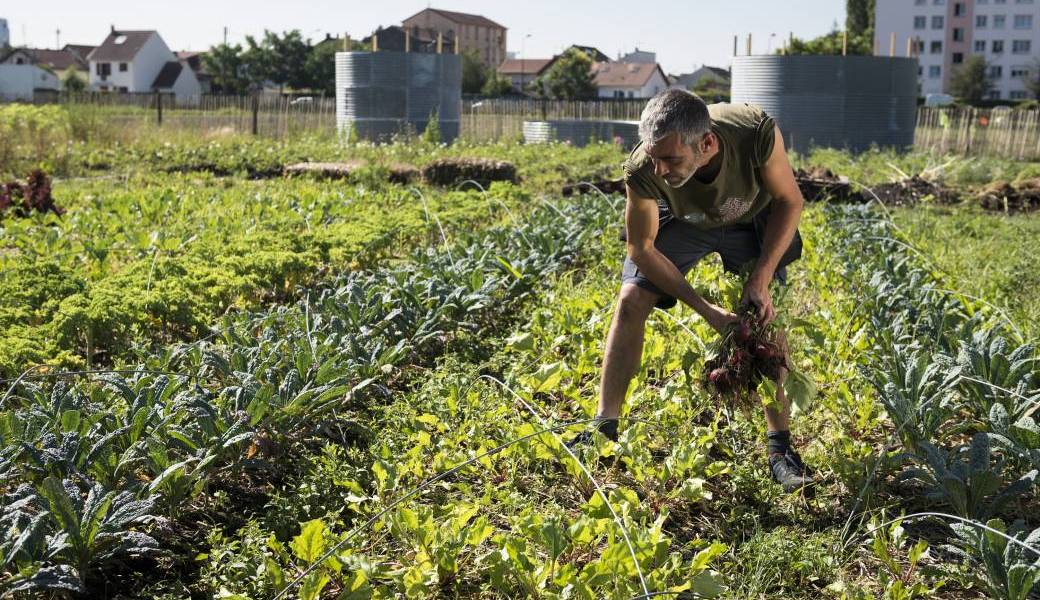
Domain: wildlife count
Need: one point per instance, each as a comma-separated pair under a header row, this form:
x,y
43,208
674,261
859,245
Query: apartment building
x,y
944,33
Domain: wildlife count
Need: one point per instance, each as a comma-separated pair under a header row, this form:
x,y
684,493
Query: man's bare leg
x,y
624,348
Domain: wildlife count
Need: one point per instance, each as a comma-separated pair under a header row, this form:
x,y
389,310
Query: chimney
x,y
113,28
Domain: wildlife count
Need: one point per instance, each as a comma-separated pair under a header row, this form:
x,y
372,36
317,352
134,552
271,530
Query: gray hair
x,y
674,111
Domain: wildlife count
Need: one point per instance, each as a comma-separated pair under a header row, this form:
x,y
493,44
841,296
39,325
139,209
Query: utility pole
x,y
57,39
225,35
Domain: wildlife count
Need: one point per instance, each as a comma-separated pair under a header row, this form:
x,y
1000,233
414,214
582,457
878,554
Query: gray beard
x,y
681,183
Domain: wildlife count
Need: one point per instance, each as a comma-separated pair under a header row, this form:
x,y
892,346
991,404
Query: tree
x,y
859,19
1033,79
969,82
570,76
71,81
831,44
496,85
474,73
225,66
321,67
282,60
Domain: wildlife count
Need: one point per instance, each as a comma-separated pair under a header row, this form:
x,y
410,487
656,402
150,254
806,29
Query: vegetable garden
x,y
221,382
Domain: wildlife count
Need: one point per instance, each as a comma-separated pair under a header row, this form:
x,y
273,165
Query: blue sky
x,y
685,34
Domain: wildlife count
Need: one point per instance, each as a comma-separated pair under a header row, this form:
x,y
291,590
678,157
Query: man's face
x,y
674,161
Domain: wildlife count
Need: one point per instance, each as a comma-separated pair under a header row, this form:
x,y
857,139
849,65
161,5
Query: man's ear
x,y
708,142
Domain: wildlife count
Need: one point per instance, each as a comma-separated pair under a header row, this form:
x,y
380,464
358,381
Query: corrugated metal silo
x,y
832,101
380,94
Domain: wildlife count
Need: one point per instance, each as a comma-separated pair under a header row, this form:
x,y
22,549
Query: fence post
x,y
256,113
158,107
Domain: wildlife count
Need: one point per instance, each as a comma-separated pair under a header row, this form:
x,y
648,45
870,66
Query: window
x,y
1019,72
994,95
958,58
998,21
980,46
1018,95
958,34
120,39
934,71
938,2
1021,46
980,21
998,46
104,69
1023,21
920,22
19,61
936,47
920,2
918,46
122,67
937,22
995,72
958,9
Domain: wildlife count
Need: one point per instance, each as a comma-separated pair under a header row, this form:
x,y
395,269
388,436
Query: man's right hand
x,y
719,318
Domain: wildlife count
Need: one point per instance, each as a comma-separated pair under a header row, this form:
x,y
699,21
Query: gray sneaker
x,y
790,472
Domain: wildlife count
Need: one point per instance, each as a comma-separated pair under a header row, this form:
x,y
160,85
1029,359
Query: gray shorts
x,y
684,244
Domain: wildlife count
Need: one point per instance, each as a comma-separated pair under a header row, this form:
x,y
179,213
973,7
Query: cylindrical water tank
x,y
379,94
849,102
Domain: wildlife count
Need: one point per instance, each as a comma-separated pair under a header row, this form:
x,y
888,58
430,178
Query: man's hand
x,y
756,293
719,318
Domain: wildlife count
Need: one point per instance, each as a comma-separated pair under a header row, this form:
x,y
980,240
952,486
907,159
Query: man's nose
x,y
660,169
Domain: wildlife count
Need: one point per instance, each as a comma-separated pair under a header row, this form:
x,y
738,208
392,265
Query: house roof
x,y
517,66
58,60
616,74
55,60
718,71
167,75
81,50
460,18
125,51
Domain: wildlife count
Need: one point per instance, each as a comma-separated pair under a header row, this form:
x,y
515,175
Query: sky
x,y
684,34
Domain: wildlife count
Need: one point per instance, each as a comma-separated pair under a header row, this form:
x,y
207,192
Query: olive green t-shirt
x,y
736,194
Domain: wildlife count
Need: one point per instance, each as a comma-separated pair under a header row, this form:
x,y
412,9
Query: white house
x,y
22,82
628,80
140,62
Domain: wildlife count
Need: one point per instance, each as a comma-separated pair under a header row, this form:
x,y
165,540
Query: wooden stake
x,y
407,41
346,42
375,43
749,44
440,42
735,44
909,46
456,38
845,42
892,45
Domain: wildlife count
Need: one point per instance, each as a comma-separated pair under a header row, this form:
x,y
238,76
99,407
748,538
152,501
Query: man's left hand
x,y
756,293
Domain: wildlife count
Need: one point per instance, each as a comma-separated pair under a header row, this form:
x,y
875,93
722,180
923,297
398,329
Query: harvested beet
x,y
746,354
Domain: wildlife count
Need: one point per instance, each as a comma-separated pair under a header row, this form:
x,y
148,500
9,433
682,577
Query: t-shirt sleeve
x,y
765,132
638,181
636,177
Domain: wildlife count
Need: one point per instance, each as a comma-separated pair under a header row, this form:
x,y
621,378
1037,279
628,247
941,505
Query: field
x,y
220,382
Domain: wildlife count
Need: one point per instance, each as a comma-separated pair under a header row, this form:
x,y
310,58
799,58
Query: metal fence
x,y
969,131
979,131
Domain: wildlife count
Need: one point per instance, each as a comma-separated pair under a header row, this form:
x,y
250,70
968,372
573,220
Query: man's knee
x,y
635,303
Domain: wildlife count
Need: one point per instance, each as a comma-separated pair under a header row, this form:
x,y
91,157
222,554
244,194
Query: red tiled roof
x,y
517,66
615,74
460,18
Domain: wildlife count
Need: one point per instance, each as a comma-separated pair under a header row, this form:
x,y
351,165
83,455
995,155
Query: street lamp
x,y
522,66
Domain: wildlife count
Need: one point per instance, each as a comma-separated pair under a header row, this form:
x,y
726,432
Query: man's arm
x,y
641,222
778,179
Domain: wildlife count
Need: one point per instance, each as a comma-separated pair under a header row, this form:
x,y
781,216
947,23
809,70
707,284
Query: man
x,y
703,179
